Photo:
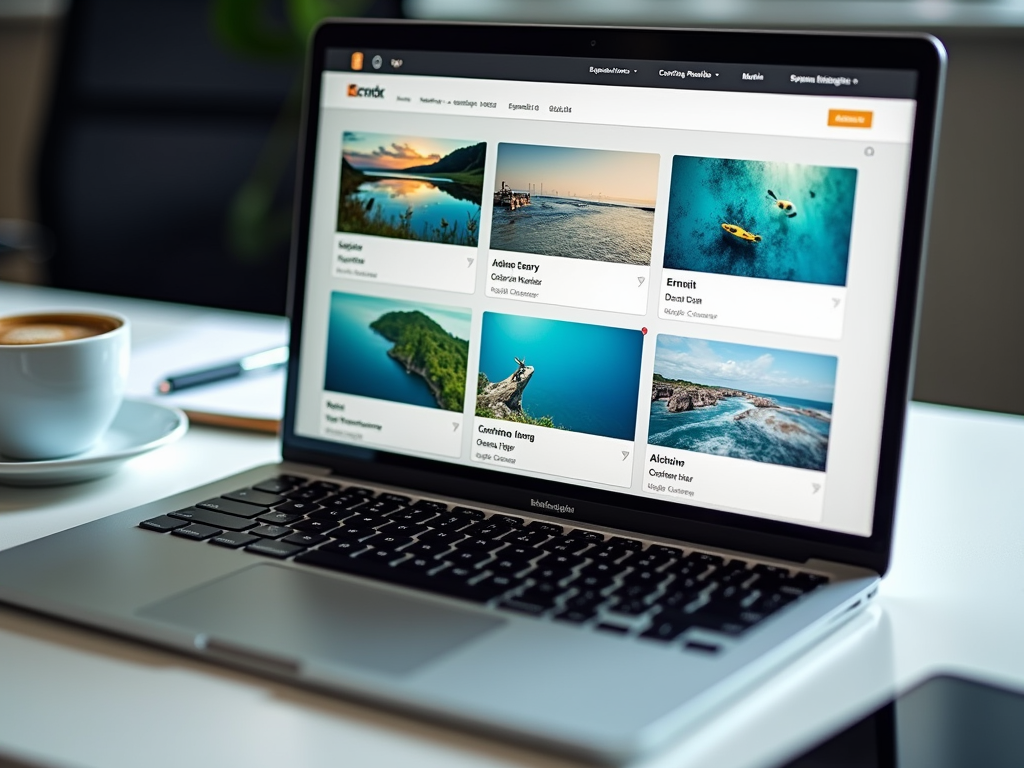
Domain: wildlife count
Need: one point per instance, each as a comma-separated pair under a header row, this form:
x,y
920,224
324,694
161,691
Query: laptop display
x,y
670,280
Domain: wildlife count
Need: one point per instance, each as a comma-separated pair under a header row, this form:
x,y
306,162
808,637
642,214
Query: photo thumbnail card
x,y
591,204
586,216
742,402
750,218
406,352
411,187
558,397
395,373
554,373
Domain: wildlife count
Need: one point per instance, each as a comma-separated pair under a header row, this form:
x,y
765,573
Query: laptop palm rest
x,y
290,615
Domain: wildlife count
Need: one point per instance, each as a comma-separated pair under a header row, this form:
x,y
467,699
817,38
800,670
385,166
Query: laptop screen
x,y
670,280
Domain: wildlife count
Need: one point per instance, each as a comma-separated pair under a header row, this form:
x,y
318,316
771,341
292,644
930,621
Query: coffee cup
x,y
62,379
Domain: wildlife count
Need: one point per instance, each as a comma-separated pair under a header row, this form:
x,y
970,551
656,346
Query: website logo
x,y
365,93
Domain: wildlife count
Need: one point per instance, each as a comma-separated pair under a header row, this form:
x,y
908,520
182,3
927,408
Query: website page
x,y
678,294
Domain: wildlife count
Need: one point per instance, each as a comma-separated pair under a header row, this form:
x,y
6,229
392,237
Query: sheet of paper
x,y
205,343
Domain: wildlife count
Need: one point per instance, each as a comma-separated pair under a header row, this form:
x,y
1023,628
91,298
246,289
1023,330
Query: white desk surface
x,y
953,601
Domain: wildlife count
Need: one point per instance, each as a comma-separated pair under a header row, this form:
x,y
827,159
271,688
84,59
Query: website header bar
x,y
873,120
677,75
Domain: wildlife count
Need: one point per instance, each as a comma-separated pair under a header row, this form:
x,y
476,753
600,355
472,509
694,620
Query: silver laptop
x,y
601,346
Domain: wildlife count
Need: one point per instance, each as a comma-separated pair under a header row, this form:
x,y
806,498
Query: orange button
x,y
848,118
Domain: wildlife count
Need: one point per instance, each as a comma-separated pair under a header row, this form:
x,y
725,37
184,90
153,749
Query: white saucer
x,y
138,427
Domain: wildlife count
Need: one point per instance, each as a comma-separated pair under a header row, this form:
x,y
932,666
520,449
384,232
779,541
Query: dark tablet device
x,y
945,722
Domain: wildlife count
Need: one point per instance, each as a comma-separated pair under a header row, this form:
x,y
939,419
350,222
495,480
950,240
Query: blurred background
x,y
147,149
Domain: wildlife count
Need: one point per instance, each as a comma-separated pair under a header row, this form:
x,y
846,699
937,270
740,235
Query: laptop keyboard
x,y
573,575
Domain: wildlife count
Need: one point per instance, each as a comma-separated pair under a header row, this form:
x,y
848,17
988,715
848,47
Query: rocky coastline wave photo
x,y
752,423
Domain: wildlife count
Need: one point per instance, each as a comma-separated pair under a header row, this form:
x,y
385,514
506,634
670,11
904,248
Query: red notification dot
x,y
643,331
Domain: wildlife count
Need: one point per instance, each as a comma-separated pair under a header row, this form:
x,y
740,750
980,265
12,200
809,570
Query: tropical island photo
x,y
552,373
779,221
590,204
742,401
410,187
396,350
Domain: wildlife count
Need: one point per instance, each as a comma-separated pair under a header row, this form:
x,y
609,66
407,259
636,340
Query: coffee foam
x,y
50,329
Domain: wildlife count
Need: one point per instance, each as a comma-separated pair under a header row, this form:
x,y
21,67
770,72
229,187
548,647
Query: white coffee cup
x,y
62,379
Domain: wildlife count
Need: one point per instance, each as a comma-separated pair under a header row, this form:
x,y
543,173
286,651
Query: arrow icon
x,y
816,487
835,303
469,262
455,425
625,455
641,279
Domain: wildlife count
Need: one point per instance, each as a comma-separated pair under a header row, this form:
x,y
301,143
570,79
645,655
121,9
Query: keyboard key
x,y
468,558
276,517
270,548
196,531
589,582
631,607
162,524
453,521
475,514
336,515
660,549
527,538
403,528
343,503
549,528
551,574
387,541
652,561
704,558
419,564
315,526
326,485
298,507
233,507
307,494
358,490
304,539
651,579
478,545
523,554
619,541
668,625
252,496
276,485
432,506
488,530
556,560
382,555
271,531
575,615
564,545
380,507
347,548
515,522
506,566
233,540
591,536
609,553
603,570
215,519
395,497
446,537
429,549
411,515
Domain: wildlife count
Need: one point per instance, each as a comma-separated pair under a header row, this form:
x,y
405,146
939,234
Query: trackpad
x,y
289,616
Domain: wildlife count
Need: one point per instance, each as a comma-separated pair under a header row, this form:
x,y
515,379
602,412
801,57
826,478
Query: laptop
x,y
601,350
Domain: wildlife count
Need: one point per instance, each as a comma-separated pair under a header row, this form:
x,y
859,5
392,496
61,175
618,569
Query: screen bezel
x,y
922,54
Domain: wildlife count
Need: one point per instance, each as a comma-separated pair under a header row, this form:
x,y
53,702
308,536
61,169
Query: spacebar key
x,y
375,570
